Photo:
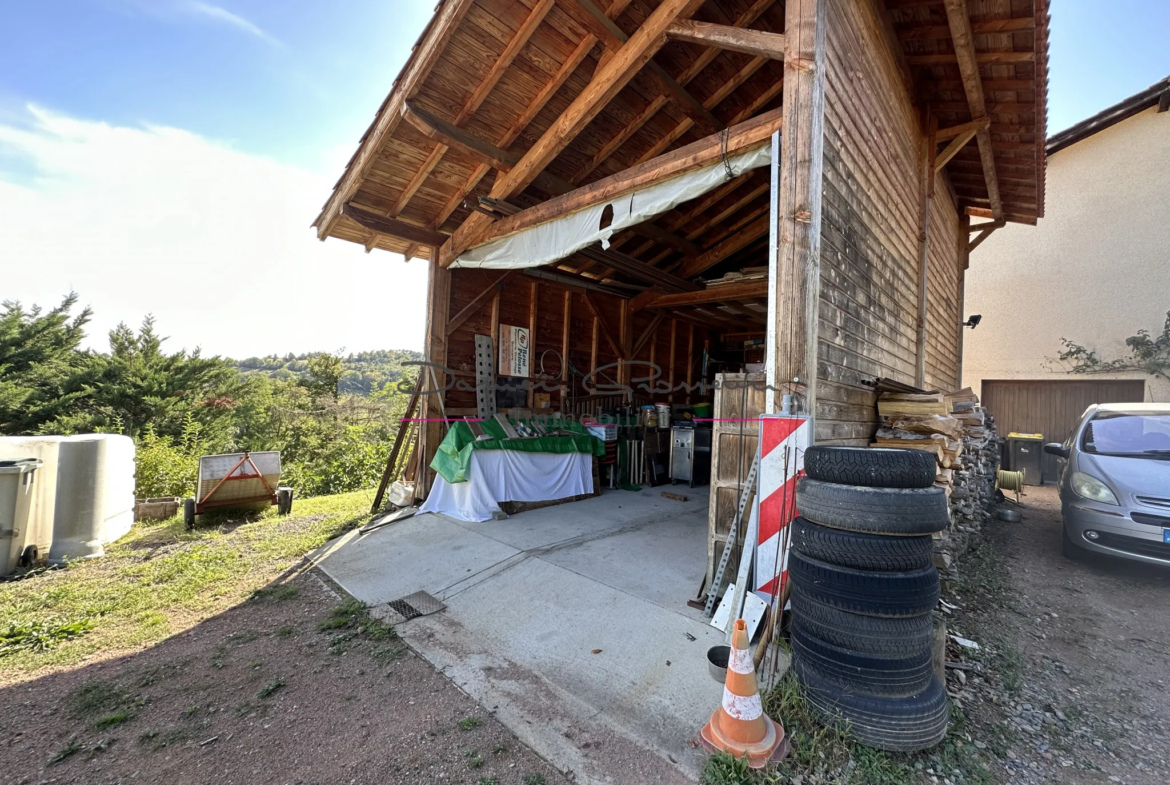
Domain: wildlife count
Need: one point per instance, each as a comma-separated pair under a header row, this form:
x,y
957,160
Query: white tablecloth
x,y
510,476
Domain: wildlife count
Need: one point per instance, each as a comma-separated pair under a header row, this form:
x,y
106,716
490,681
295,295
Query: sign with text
x,y
514,351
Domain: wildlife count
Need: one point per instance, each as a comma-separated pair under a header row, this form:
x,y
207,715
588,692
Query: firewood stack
x,y
961,435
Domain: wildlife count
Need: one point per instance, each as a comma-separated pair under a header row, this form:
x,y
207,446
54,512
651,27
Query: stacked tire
x,y
863,591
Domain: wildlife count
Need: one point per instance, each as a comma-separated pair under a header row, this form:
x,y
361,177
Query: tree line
x,y
333,417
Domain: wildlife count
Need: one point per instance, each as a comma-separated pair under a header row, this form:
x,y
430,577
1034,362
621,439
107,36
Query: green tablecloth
x,y
453,458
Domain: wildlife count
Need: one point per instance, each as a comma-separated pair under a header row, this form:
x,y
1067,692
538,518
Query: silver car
x,y
1115,486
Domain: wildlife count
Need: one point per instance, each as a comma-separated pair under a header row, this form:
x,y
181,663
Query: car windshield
x,y
1129,433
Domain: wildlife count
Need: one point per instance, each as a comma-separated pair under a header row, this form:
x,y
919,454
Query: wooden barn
x,y
703,185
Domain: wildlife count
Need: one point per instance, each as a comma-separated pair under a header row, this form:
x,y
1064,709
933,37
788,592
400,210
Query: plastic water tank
x,y
18,481
95,495
43,502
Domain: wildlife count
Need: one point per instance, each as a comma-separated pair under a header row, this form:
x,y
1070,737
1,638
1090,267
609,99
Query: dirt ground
x,y
261,694
1082,651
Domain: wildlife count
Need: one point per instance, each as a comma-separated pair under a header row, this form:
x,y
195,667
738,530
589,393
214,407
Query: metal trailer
x,y
247,480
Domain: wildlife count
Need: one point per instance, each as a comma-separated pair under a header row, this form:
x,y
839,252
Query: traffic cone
x,y
740,727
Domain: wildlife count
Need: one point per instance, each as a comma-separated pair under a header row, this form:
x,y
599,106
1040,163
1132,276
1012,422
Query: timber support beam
x,y
735,39
392,227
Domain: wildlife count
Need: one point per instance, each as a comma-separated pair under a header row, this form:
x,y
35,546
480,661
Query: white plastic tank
x,y
42,502
95,495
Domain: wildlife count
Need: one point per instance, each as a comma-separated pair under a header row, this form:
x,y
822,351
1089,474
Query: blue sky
x,y
186,138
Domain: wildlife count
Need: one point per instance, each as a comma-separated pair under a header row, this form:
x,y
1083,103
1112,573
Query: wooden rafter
x,y
735,39
430,47
392,227
711,294
647,334
968,61
938,32
473,103
477,302
982,58
606,332
740,138
619,261
958,130
594,20
726,247
606,83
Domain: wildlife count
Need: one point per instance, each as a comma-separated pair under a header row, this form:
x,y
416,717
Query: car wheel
x,y
1071,549
860,550
868,674
908,724
868,592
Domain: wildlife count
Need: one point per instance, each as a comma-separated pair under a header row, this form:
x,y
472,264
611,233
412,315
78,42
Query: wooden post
x,y
438,311
533,299
690,359
670,363
565,335
593,355
798,275
964,261
926,191
625,338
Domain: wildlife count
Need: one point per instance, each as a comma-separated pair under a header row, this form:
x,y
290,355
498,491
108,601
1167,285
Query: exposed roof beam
x,y
725,248
637,269
432,44
951,150
603,324
393,227
480,93
469,310
964,45
607,81
711,294
958,130
982,58
593,19
450,135
746,136
735,39
934,32
976,242
644,338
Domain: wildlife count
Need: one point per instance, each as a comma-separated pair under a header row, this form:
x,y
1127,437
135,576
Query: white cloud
x,y
227,17
214,242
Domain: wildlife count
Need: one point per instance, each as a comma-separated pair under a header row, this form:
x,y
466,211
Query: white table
x,y
496,476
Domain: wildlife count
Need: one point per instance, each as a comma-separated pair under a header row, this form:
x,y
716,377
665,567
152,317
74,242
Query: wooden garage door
x,y
1052,408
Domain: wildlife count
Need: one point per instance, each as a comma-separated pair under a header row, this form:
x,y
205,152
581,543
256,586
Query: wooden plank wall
x,y
869,235
588,347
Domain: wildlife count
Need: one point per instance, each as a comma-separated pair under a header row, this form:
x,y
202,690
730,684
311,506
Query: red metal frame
x,y
203,504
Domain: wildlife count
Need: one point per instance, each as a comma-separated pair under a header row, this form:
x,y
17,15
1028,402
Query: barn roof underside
x,y
489,78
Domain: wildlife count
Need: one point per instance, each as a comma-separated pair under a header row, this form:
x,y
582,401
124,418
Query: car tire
x,y
909,724
876,510
891,677
1070,549
872,467
868,592
861,550
883,637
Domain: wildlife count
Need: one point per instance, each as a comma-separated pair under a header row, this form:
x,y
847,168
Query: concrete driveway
x,y
569,623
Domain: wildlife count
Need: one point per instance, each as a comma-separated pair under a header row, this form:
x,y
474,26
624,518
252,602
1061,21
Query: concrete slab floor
x,y
569,622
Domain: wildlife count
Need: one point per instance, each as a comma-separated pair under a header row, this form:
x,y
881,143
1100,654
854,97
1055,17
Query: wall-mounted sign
x,y
514,351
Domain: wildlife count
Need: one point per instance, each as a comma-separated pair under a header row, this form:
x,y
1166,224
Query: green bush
x,y
165,467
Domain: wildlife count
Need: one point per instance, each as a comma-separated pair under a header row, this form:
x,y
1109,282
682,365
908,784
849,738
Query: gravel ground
x,y
260,694
1070,683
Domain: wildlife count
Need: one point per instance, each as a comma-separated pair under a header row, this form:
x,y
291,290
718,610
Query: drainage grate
x,y
414,605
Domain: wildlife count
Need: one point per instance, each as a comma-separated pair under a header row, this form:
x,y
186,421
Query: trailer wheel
x,y
189,513
29,556
284,500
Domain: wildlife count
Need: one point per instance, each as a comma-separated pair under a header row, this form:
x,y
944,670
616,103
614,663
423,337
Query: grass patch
x,y
470,723
96,697
488,781
40,635
113,719
158,580
73,747
474,761
270,688
286,631
534,779
280,591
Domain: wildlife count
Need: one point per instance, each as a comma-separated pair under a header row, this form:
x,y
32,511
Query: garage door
x,y
1052,408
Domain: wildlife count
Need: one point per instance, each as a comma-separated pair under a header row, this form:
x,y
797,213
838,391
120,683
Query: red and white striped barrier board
x,y
783,440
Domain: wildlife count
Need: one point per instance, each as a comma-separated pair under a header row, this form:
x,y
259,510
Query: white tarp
x,y
556,239
510,476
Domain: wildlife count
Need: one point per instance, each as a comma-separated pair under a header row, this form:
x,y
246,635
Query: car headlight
x,y
1090,487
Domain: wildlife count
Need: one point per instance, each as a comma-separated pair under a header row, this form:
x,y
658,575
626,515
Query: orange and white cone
x,y
740,727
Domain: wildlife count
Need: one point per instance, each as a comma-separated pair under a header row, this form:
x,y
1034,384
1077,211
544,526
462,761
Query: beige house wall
x,y
1095,270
